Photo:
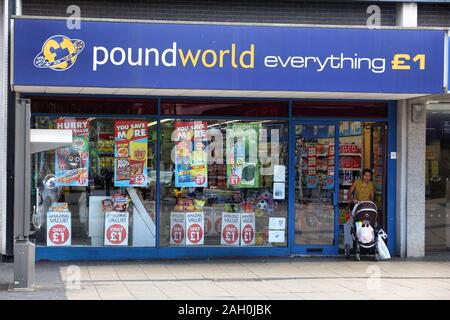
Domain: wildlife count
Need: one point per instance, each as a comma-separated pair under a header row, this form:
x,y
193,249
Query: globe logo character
x,y
58,53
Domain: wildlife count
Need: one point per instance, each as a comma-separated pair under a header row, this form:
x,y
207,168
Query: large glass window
x,y
223,183
437,179
101,189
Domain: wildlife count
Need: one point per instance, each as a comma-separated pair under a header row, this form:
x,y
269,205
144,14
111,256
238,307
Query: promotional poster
x,y
72,162
130,153
116,228
190,154
242,155
195,228
177,228
248,234
230,229
59,225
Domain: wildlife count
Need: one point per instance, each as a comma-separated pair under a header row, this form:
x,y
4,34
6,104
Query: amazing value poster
x,y
242,155
130,153
72,162
190,154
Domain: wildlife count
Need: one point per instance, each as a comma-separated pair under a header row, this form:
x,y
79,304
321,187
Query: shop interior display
x,y
361,145
91,203
240,196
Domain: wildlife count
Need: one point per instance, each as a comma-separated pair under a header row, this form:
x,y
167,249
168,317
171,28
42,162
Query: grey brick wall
x,y
434,15
266,11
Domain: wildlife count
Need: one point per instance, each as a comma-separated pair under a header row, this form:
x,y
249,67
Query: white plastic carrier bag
x,y
365,233
382,248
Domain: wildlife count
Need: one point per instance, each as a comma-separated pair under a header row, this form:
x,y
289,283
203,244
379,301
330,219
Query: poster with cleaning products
x,y
130,153
242,155
72,162
230,229
59,225
190,154
116,228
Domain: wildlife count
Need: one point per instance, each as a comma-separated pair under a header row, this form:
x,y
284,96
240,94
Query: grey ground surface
x,y
261,279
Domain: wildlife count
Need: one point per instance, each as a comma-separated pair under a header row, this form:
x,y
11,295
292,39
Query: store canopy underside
x,y
215,93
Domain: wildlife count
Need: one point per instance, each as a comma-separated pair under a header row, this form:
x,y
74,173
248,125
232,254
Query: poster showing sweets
x,y
242,155
130,153
72,162
190,154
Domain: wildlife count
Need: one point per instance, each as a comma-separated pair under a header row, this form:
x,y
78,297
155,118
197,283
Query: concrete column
x,y
406,14
415,186
410,182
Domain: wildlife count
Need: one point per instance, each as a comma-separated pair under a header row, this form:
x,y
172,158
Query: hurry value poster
x,y
130,153
190,154
72,162
242,155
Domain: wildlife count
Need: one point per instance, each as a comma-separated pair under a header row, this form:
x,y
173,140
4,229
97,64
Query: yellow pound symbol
x,y
398,63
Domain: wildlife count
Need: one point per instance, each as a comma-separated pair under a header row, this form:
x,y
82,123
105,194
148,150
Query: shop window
x,y
437,179
100,190
224,108
339,109
223,183
87,106
362,146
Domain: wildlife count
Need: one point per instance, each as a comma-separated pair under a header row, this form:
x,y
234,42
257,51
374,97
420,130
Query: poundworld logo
x,y
170,57
58,53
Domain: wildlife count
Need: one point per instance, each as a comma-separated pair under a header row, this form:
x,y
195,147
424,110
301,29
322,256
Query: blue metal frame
x,y
133,253
303,249
391,178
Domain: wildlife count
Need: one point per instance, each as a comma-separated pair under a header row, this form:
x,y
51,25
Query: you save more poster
x,y
130,153
72,162
190,154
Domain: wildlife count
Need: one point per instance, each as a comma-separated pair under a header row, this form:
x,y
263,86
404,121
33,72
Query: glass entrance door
x,y
315,183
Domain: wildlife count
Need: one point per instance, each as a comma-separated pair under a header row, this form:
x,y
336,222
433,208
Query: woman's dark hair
x,y
365,171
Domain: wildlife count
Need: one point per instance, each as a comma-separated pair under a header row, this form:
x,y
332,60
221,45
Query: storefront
x,y
195,140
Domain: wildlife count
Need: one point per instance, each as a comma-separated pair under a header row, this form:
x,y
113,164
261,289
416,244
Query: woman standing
x,y
362,189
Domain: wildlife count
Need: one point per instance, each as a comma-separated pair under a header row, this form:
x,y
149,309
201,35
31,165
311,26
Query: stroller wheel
x,y
357,257
347,251
377,256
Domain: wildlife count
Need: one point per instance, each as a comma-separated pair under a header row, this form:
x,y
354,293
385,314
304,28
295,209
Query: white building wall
x,y
410,165
4,26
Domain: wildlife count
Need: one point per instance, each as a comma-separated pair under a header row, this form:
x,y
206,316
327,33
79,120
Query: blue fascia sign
x,y
227,57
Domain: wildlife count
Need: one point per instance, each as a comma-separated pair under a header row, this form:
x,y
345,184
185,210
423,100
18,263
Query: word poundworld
x,y
170,57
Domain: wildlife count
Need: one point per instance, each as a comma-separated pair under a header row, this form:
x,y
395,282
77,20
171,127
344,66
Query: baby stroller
x,y
364,230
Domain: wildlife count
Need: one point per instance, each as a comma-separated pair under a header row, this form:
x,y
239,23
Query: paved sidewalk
x,y
296,278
